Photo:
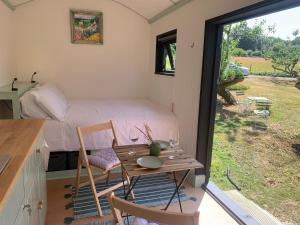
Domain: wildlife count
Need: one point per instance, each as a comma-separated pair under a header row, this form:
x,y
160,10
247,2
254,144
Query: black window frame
x,y
161,41
208,94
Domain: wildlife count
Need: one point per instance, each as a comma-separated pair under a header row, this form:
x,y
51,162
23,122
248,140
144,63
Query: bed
x,y
63,116
125,114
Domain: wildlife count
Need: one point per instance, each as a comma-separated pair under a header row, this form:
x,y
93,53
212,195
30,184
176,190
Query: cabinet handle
x,y
38,151
28,207
41,205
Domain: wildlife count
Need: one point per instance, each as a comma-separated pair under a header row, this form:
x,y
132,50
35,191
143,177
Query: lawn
x,y
256,64
266,165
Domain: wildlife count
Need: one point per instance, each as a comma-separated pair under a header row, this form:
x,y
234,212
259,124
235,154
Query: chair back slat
x,y
81,131
96,128
163,217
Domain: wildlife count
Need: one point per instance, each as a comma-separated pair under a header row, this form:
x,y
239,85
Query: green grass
x,y
239,87
265,164
257,65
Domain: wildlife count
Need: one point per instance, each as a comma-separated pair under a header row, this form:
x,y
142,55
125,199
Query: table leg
x,y
177,189
124,191
131,186
178,194
123,179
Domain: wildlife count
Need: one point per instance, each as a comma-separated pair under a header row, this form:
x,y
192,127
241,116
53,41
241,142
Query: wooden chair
x,y
243,104
94,161
263,105
119,205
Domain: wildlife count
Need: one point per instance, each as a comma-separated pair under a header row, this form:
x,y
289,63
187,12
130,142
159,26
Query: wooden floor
x,y
210,212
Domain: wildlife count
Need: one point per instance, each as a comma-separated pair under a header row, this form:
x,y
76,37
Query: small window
x,y
166,53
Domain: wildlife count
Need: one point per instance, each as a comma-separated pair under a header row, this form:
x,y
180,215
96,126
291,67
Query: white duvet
x,y
125,114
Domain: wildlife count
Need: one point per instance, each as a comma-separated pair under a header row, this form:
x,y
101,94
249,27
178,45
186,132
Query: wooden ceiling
x,y
151,10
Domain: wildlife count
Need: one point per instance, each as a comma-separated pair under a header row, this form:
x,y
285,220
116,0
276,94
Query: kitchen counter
x,y
16,139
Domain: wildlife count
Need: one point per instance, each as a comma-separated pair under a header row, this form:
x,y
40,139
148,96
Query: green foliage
x,y
232,73
239,52
285,57
239,87
252,38
271,74
296,41
228,46
256,54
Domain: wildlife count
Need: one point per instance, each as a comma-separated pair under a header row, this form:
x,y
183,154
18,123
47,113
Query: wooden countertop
x,y
17,138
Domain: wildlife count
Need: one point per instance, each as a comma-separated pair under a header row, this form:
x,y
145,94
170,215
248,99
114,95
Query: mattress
x,y
125,114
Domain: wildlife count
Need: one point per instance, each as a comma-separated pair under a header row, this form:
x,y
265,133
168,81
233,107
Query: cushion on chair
x,y
141,221
104,159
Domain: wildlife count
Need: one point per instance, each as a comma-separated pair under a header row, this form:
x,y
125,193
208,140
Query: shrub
x,y
249,52
240,52
232,73
271,74
256,54
239,87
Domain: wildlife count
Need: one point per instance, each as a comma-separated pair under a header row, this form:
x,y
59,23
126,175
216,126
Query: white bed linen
x,y
62,136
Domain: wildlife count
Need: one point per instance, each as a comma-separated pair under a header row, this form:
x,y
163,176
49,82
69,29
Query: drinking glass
x,y
133,137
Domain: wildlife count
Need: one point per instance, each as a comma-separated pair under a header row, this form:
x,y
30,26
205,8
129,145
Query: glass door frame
x,y
208,94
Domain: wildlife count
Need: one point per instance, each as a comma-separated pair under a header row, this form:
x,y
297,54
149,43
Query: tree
x,y
252,38
296,41
227,76
295,33
285,57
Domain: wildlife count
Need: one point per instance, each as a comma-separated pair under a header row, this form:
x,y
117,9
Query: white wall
x,y
117,69
184,89
6,45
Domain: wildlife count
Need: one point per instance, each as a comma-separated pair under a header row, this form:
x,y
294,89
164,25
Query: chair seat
x,y
262,112
104,159
141,221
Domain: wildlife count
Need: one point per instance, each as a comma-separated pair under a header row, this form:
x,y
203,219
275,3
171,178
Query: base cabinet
x,y
27,203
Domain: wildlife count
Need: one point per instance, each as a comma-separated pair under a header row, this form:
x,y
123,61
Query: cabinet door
x,y
28,214
23,217
33,201
14,203
1,219
42,194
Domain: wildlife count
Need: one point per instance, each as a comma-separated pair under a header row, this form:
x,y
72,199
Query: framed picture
x,y
86,27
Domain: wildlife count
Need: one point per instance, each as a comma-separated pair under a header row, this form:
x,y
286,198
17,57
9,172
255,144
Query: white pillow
x,y
29,107
52,101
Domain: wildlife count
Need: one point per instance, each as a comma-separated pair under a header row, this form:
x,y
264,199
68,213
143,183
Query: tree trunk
x,y
226,95
224,92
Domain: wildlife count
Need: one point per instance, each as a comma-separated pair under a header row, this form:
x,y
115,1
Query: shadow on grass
x,y
230,122
227,122
296,148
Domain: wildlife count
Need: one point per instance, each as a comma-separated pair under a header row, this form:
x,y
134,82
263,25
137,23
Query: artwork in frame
x,y
86,27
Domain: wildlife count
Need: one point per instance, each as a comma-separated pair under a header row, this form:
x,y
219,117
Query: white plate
x,y
150,162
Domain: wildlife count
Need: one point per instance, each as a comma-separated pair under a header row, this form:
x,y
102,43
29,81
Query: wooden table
x,y
181,162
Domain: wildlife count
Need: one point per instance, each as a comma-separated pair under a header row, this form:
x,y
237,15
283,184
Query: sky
x,y
286,22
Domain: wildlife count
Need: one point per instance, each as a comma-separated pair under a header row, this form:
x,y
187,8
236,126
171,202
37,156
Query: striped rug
x,y
154,190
